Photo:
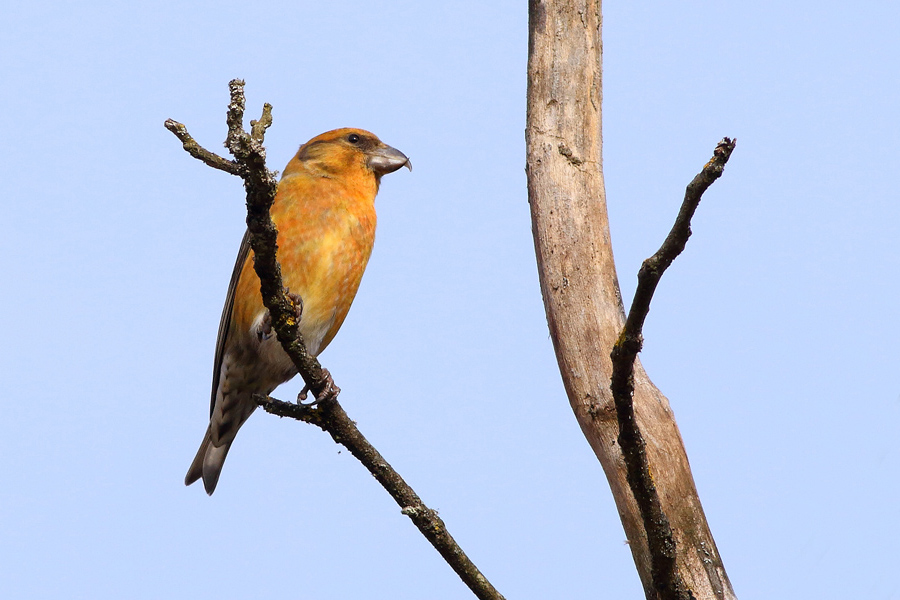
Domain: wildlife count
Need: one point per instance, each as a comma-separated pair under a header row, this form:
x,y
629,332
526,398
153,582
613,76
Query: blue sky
x,y
774,336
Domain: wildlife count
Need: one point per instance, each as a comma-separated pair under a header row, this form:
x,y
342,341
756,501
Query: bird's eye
x,y
353,138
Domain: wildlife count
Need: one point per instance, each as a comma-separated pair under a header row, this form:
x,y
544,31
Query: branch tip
x,y
258,128
191,146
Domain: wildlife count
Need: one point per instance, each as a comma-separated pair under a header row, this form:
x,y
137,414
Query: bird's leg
x,y
329,392
264,328
297,301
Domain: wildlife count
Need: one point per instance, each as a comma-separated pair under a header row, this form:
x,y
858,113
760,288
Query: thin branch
x,y
234,118
260,185
653,268
258,128
331,418
199,152
660,540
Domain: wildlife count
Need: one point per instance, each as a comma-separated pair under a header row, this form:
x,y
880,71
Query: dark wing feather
x,y
225,321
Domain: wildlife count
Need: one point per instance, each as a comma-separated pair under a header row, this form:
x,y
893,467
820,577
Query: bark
x,y
581,292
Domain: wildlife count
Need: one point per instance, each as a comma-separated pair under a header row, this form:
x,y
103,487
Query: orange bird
x,y
325,213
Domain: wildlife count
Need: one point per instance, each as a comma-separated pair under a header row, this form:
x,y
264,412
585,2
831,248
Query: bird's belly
x,y
257,369
315,323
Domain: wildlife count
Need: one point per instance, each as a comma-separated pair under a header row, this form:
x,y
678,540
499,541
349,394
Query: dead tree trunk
x,y
581,292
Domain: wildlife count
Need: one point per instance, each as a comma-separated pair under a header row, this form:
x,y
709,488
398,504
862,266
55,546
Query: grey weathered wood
x,y
580,288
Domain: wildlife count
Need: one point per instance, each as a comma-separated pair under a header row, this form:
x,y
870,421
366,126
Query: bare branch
x,y
567,198
234,118
258,128
331,418
260,185
199,152
653,268
666,578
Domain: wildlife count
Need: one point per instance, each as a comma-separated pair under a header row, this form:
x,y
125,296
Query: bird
x,y
324,210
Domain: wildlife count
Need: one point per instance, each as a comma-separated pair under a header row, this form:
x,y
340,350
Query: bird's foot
x,y
264,329
296,300
329,392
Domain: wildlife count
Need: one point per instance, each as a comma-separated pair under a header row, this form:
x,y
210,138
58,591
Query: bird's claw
x,y
329,392
264,329
296,300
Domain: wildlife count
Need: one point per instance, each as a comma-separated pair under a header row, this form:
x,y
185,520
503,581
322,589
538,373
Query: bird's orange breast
x,y
326,230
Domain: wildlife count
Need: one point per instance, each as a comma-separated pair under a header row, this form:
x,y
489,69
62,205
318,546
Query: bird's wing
x,y
225,321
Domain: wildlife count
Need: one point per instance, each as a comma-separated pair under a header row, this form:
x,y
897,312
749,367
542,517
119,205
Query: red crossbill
x,y
325,214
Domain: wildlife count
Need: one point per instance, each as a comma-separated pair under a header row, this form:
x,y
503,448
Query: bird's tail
x,y
208,463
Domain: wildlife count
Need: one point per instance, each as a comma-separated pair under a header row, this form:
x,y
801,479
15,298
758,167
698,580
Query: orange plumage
x,y
325,214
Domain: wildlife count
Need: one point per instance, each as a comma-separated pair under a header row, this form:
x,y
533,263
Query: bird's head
x,y
347,151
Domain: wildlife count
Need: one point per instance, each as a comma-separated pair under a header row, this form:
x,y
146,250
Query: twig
x,y
660,540
331,418
260,185
258,128
200,153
